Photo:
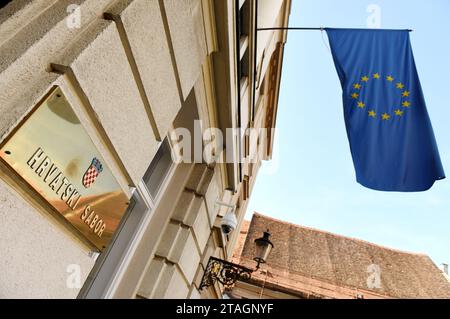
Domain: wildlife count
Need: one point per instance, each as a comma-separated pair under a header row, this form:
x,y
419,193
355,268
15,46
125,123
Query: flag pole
x,y
303,29
287,28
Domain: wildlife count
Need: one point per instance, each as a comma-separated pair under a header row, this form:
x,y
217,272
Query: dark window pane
x,y
159,168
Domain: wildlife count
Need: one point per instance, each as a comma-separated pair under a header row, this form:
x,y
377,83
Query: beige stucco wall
x,y
95,53
36,254
100,66
121,76
185,21
175,265
27,50
144,27
190,230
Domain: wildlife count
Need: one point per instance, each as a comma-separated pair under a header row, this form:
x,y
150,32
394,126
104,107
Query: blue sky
x,y
312,181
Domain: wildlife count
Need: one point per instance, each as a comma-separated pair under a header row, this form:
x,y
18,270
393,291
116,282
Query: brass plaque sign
x,y
53,153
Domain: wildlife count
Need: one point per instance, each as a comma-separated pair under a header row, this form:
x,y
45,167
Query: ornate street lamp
x,y
228,273
263,248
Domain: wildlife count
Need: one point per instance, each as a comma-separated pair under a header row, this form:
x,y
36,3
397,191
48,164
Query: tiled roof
x,y
307,258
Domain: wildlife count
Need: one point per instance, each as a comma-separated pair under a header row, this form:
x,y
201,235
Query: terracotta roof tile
x,y
305,252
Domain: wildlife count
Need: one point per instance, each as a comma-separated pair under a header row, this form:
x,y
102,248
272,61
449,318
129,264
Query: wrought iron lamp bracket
x,y
224,272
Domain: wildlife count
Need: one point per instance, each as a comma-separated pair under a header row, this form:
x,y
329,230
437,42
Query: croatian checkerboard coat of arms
x,y
92,173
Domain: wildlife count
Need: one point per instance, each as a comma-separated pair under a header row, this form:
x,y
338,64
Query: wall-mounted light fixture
x,y
263,248
227,273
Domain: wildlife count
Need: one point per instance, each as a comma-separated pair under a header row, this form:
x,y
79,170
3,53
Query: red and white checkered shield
x,y
92,172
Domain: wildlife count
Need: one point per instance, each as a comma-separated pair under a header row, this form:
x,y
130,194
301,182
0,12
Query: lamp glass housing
x,y
263,248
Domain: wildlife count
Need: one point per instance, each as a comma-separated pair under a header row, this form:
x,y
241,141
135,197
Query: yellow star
x,y
398,112
389,78
357,86
400,85
385,117
361,105
405,94
376,76
365,78
406,104
372,113
355,95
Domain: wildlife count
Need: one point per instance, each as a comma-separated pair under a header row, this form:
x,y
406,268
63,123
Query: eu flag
x,y
388,127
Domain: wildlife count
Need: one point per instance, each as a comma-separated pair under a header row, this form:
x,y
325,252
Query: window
x,y
105,276
258,76
260,94
158,169
243,32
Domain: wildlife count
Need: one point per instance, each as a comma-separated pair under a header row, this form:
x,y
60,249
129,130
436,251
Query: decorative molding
x,y
209,23
135,70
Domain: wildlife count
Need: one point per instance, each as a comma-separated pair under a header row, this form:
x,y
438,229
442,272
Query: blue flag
x,y
390,134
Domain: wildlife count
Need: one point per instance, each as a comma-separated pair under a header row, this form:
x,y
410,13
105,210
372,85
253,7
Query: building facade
x,y
101,195
308,263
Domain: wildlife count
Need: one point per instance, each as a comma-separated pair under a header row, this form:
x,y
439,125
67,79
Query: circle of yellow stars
x,y
398,113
